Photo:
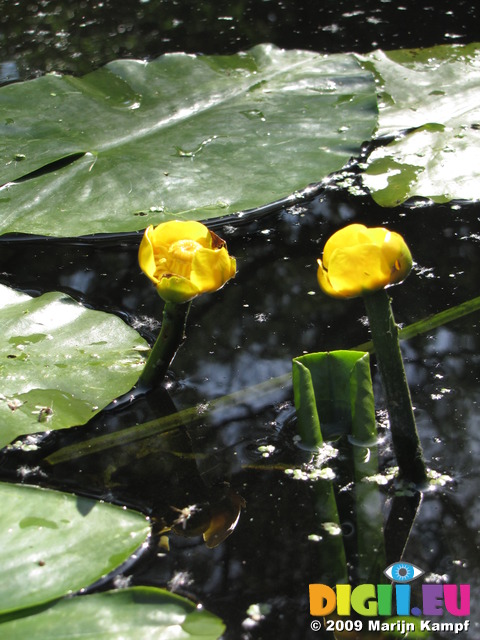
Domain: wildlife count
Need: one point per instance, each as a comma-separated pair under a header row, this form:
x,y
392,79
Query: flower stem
x,y
406,442
171,336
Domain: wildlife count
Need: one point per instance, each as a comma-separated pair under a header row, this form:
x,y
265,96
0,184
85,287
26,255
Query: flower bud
x,y
359,260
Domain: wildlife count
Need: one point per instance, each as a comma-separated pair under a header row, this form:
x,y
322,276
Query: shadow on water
x,y
204,476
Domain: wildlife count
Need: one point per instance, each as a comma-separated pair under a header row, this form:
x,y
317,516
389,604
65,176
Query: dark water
x,y
56,35
249,331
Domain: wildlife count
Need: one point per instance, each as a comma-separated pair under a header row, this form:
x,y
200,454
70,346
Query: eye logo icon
x,y
403,572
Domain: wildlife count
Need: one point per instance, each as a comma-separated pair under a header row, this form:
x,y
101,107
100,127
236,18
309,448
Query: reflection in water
x,y
241,450
61,37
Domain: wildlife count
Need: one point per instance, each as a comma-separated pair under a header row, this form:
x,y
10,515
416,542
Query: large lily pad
x,y
182,136
54,543
60,362
135,613
430,99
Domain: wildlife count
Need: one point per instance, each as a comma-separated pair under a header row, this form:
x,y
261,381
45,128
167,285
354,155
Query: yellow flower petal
x,y
167,233
358,260
323,281
185,259
359,269
398,257
350,236
146,258
211,268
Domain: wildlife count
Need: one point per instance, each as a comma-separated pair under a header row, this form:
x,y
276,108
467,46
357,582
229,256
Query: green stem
x,y
172,334
430,322
154,428
406,442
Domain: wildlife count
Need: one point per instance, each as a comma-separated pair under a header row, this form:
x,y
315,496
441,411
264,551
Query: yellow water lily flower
x,y
184,259
359,260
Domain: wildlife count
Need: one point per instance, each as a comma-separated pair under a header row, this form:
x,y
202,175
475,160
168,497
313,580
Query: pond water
x,y
247,334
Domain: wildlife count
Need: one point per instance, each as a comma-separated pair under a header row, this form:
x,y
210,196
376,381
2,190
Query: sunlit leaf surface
x,y
182,136
60,362
432,98
135,613
55,543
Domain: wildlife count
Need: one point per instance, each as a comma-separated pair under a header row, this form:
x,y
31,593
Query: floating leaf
x,y
182,136
55,543
137,612
430,99
60,362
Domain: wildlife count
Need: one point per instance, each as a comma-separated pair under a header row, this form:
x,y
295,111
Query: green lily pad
x,y
430,100
55,543
60,363
137,612
182,136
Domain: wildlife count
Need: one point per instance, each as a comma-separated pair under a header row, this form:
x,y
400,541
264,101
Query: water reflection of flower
x,y
185,259
358,260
